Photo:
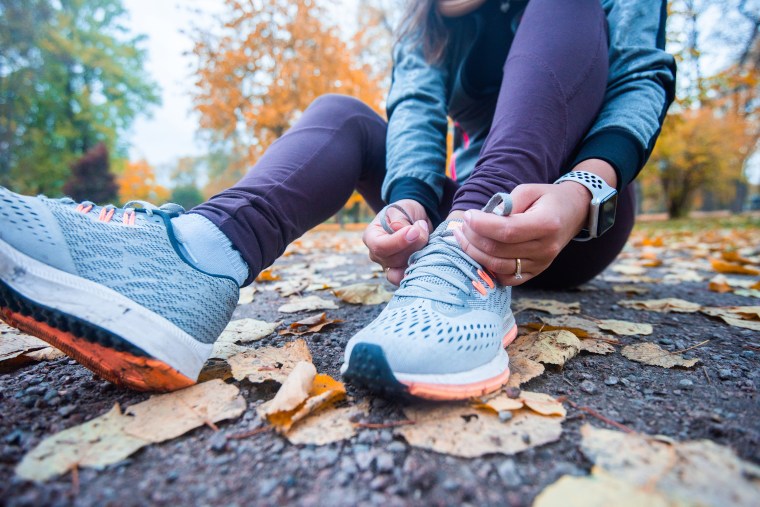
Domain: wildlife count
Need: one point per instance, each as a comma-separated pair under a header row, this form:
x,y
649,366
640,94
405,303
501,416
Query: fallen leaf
x,y
662,305
113,436
538,402
267,276
302,393
522,370
246,295
625,328
630,289
166,416
599,489
748,293
547,305
327,425
697,472
309,325
364,294
553,347
719,284
269,363
241,331
629,269
597,347
307,304
722,266
654,355
734,256
579,326
17,348
747,317
461,430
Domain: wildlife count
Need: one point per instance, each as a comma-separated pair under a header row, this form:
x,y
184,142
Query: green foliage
x,y
91,178
71,76
187,196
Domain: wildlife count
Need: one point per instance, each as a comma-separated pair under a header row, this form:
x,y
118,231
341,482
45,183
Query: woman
x,y
537,90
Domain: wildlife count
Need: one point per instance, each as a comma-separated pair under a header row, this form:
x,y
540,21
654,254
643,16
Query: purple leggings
x,y
552,89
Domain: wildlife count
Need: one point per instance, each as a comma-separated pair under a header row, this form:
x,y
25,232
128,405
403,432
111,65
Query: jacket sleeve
x,y
417,126
640,88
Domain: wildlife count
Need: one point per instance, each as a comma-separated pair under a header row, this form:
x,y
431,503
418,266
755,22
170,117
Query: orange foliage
x,y
138,182
261,69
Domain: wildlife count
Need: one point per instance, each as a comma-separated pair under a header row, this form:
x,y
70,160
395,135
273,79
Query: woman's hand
x,y
544,219
392,251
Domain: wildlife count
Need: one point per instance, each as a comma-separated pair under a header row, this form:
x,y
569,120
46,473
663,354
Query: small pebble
x,y
384,463
749,354
611,381
685,383
66,410
512,392
725,374
396,447
666,341
505,415
218,442
588,387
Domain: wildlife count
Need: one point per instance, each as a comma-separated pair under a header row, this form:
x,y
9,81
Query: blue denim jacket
x,y
640,88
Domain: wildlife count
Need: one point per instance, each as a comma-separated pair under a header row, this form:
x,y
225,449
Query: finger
x,y
503,268
511,229
533,248
394,249
523,197
395,275
396,219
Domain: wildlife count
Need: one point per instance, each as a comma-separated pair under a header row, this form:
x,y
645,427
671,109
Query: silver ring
x,y
518,269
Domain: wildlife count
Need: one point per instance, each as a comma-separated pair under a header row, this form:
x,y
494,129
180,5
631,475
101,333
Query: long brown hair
x,y
423,21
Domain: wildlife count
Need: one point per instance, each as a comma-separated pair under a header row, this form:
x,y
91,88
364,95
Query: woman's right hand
x,y
392,251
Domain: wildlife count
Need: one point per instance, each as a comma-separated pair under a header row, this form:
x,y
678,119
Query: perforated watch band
x,y
600,193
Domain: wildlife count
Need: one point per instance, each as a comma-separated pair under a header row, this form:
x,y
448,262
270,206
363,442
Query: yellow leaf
x,y
728,267
546,305
553,347
364,294
661,305
269,363
654,355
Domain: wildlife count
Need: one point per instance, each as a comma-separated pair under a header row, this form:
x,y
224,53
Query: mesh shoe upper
x,y
437,321
137,260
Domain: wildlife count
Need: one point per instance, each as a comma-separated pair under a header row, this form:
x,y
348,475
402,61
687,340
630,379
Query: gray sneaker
x,y
110,288
442,335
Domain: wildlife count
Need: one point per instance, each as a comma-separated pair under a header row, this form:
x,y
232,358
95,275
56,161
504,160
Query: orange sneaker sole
x,y
120,367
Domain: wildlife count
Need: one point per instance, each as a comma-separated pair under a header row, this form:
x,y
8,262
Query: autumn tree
x,y
91,178
138,182
259,69
71,76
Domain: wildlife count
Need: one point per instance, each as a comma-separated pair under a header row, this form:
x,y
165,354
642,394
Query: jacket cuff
x,y
417,190
618,148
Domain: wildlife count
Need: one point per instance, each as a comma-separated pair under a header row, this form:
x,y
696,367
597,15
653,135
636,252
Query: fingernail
x,y
458,235
412,234
467,216
423,225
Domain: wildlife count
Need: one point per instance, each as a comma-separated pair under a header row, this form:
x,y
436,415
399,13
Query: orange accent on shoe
x,y
443,392
486,278
479,287
128,218
84,209
106,215
121,368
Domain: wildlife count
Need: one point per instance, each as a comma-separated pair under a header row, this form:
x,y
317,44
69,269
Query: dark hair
x,y
423,21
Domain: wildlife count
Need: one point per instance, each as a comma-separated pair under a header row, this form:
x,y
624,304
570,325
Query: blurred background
x,y
160,100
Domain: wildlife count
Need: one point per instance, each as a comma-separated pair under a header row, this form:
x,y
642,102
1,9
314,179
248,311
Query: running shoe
x,y
110,287
442,335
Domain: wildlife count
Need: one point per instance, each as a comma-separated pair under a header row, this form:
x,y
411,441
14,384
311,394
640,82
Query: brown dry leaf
x,y
547,305
697,472
597,347
522,370
364,294
113,436
538,402
625,328
579,326
734,256
654,355
656,241
327,425
307,304
719,284
267,276
661,305
167,416
731,268
755,286
17,348
462,430
630,289
309,325
651,263
553,347
629,269
303,393
599,489
747,317
269,363
241,331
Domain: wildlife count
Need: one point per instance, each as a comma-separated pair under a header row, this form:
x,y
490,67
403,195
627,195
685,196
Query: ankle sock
x,y
208,248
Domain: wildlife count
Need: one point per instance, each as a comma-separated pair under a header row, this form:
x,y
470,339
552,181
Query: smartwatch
x,y
601,214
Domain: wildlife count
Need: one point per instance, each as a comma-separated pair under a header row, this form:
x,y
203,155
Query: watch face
x,y
607,214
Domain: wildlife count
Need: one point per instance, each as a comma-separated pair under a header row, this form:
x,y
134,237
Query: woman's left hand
x,y
544,219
